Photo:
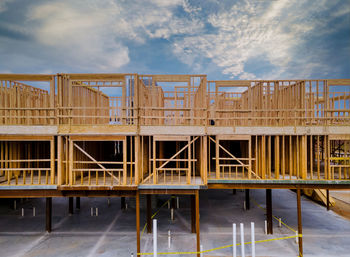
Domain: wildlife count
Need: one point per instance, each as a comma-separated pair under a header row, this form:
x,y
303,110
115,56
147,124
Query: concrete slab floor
x,y
112,233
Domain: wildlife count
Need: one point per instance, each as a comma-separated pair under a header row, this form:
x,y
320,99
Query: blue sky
x,y
258,39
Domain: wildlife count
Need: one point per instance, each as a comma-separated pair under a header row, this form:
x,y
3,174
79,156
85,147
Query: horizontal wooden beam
x,y
278,186
26,77
25,138
102,76
338,82
64,193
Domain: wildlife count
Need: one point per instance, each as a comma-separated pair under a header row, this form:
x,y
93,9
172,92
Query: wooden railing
x,y
97,177
30,174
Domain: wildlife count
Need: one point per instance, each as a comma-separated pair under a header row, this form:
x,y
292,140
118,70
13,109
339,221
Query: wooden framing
x,y
101,110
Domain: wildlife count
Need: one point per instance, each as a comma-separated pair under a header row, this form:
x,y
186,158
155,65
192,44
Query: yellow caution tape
x,y
273,216
223,247
154,214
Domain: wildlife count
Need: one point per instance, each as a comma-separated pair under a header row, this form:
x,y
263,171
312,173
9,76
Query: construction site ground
x,y
113,231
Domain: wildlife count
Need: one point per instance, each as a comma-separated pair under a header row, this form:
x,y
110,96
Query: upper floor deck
x,y
132,100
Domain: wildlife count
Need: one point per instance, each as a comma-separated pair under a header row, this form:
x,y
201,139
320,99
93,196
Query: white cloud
x,y
91,34
266,30
81,35
3,4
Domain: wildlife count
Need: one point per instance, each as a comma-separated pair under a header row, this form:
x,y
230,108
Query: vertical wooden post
x,y
328,158
269,211
48,214
217,157
327,195
52,100
154,162
193,214
247,199
52,163
205,160
197,223
250,158
138,222
70,210
137,160
263,158
189,156
59,161
149,214
300,226
277,157
124,161
71,149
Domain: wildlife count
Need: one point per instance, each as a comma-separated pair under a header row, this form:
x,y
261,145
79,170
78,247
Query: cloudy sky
x,y
262,39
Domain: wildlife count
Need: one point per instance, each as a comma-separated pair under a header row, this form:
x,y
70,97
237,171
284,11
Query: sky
x,y
257,39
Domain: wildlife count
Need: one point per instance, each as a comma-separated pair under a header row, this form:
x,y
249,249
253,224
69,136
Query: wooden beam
x,y
193,214
327,195
70,209
300,226
197,223
138,240
26,77
48,214
217,158
52,162
269,211
247,199
149,214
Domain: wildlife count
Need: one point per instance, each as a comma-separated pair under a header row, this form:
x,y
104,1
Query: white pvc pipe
x,y
172,213
252,231
201,249
96,211
265,227
177,203
234,240
33,211
296,237
279,222
22,212
154,238
244,206
242,240
169,239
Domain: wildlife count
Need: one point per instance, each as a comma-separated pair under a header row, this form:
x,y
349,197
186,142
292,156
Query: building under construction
x,y
126,135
